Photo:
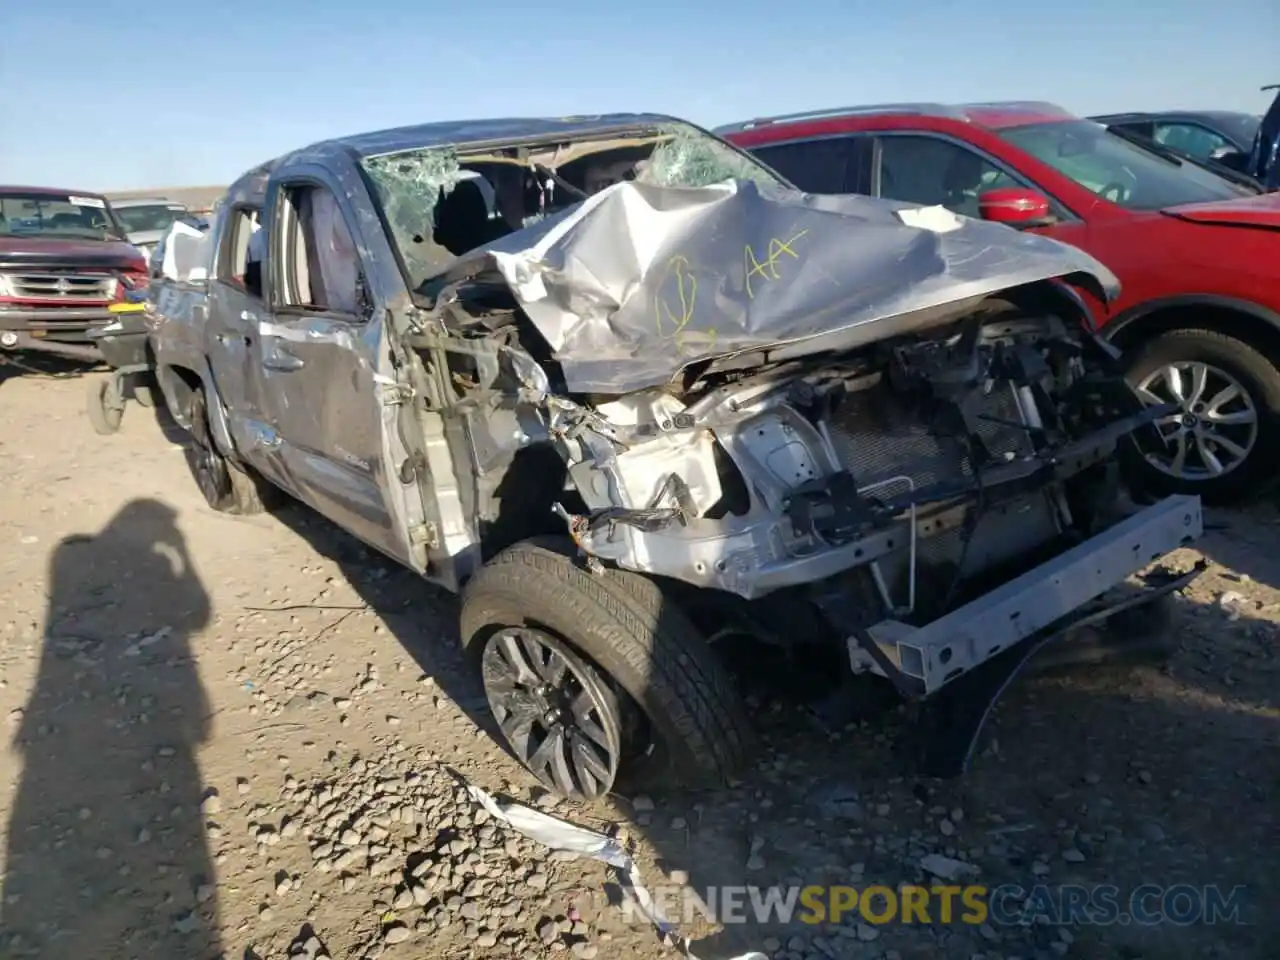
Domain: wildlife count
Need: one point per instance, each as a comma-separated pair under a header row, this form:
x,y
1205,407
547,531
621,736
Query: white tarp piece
x,y
561,835
640,280
186,252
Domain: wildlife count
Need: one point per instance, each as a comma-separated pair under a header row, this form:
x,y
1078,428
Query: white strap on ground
x,y
561,835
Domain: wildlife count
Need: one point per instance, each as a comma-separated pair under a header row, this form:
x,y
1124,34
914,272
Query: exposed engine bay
x,y
797,473
884,485
909,426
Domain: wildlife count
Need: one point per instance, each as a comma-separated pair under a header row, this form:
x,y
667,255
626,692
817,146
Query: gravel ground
x,y
244,738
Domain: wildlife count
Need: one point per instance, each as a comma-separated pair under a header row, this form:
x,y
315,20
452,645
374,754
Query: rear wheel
x,y
594,677
225,485
105,405
1223,441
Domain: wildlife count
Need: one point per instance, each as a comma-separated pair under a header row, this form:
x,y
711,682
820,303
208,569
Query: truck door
x,y
322,350
235,308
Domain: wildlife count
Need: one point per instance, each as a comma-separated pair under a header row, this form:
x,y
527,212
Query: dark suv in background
x,y
1244,142
1207,134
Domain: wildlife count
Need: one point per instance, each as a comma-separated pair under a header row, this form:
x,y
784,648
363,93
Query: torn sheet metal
x,y
641,279
559,834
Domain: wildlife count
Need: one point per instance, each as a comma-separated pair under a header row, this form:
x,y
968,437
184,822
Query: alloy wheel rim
x,y
1215,428
559,719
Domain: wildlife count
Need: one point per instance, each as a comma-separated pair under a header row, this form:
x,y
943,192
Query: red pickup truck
x,y
1198,256
65,268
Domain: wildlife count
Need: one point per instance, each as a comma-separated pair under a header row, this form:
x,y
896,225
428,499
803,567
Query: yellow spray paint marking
x,y
675,302
767,267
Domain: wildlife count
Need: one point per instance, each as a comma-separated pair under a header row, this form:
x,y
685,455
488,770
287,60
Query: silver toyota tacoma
x,y
637,398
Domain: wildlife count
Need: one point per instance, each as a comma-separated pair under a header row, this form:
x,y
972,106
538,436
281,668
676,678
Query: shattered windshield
x,y
688,157
441,203
408,186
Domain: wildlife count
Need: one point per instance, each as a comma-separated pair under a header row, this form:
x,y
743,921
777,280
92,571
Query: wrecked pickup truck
x,y
641,398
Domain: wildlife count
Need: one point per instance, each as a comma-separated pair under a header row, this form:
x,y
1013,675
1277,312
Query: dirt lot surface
x,y
234,738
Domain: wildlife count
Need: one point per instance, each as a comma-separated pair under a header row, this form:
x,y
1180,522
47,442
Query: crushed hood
x,y
639,280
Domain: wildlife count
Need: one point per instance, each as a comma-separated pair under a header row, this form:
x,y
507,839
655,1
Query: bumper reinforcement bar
x,y
933,656
952,721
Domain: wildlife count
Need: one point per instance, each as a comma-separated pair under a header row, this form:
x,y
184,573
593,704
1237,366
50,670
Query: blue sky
x,y
103,94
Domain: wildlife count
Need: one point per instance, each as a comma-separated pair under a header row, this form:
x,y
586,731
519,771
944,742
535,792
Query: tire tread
x,y
637,637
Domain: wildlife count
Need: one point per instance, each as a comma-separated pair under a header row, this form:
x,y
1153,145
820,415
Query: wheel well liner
x,y
179,384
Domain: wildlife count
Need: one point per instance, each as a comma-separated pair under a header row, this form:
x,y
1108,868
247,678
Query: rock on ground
x,y
255,759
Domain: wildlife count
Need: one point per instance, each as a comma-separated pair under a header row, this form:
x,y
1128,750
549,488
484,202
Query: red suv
x,y
1198,256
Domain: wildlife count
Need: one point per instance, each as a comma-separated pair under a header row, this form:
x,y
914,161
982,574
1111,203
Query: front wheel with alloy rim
x,y
596,677
1221,442
226,486
555,711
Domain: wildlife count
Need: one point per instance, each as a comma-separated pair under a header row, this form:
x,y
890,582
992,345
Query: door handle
x,y
281,359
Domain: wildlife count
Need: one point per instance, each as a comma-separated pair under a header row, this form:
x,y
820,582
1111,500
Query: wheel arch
x,y
179,383
1056,296
1241,319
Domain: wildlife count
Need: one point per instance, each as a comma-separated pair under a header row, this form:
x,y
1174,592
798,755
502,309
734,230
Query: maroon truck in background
x,y
65,268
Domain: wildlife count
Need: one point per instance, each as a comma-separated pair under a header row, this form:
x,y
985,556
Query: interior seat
x,y
462,219
962,182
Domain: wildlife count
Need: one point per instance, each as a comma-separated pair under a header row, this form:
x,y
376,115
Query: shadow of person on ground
x,y
106,844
